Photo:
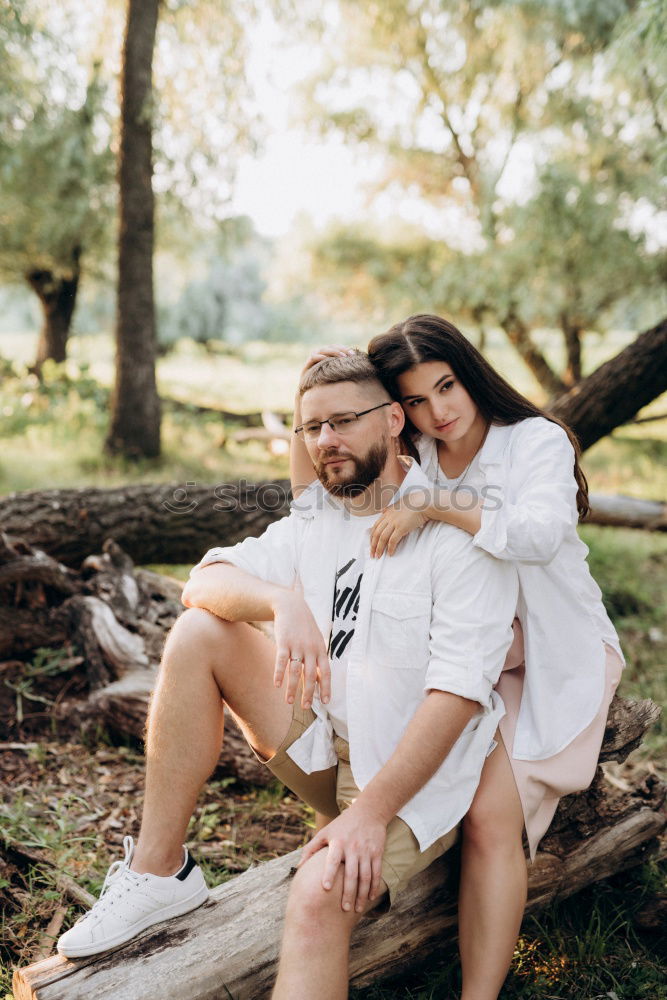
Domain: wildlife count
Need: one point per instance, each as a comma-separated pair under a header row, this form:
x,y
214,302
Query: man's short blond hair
x,y
356,367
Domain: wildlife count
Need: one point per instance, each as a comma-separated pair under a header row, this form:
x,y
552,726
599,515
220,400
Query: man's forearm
x,y
430,735
232,594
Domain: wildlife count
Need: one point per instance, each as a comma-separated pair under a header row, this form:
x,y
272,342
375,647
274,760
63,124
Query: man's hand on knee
x,y
356,840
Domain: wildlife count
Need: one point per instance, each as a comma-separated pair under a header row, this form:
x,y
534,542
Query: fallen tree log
x,y
229,947
166,523
627,512
253,419
177,523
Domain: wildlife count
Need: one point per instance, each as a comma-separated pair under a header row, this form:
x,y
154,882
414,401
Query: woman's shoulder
x,y
537,440
537,430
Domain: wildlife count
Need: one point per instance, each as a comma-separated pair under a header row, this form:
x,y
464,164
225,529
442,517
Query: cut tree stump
x,y
117,617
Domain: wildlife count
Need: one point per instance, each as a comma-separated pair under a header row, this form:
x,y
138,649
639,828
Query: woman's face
x,y
437,403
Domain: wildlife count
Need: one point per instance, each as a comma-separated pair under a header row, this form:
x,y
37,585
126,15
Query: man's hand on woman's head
x,y
300,650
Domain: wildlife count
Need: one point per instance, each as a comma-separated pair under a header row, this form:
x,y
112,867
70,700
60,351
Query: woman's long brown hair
x,y
429,338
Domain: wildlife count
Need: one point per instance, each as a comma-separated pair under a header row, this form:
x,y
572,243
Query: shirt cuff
x,y
474,688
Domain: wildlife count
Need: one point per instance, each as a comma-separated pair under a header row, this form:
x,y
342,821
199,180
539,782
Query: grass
x,y
587,948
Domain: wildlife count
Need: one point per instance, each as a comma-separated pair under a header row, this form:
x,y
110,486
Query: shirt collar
x,y
493,449
491,452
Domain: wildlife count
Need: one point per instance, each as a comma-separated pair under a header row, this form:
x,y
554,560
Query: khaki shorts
x,y
333,790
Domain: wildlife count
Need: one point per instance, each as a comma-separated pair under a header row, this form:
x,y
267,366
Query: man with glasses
x,y
373,703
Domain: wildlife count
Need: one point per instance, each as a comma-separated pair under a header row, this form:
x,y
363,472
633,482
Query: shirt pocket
x,y
400,627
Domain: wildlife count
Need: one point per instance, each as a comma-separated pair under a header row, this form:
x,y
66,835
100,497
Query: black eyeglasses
x,y
342,424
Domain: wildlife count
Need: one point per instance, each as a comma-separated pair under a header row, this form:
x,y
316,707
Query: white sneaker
x,y
130,902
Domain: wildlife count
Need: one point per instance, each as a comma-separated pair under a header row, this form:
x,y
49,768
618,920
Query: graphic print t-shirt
x,y
353,551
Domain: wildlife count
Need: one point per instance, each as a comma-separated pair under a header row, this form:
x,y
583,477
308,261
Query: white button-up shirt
x,y
530,519
436,615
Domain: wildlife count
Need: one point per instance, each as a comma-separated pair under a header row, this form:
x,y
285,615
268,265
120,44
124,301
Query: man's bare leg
x,y
206,662
321,821
314,958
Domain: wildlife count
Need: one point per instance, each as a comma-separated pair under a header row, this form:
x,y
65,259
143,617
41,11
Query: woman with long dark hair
x,y
508,473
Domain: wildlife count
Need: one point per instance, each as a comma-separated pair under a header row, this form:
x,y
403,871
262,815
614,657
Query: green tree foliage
x,y
57,175
230,305
466,97
58,117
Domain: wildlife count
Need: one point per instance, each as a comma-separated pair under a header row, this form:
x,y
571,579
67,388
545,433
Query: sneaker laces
x,y
116,882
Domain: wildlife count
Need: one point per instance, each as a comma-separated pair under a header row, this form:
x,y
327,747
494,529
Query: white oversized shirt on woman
x,y
435,616
525,473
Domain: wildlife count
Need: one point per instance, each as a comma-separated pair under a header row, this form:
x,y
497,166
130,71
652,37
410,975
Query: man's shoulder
x,y
443,540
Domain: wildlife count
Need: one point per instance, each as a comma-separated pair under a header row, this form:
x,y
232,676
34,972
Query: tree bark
x,y
617,390
518,335
229,947
135,418
168,523
627,512
57,297
572,336
177,523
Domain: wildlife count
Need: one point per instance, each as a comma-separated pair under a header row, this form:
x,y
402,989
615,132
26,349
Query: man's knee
x,y
310,906
199,630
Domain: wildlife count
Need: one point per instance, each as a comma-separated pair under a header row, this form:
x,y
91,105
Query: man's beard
x,y
366,471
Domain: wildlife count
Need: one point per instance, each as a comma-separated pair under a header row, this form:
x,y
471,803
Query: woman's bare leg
x,y
494,880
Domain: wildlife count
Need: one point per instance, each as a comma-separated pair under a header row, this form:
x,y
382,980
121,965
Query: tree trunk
x,y
617,390
57,297
519,336
229,947
177,522
118,616
135,419
572,336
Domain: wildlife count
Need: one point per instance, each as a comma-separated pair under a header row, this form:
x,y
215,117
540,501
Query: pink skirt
x,y
541,783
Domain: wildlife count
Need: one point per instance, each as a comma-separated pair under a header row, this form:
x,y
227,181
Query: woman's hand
x,y
329,351
396,521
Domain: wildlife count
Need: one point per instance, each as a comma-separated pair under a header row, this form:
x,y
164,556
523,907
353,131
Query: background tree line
x,y
522,182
